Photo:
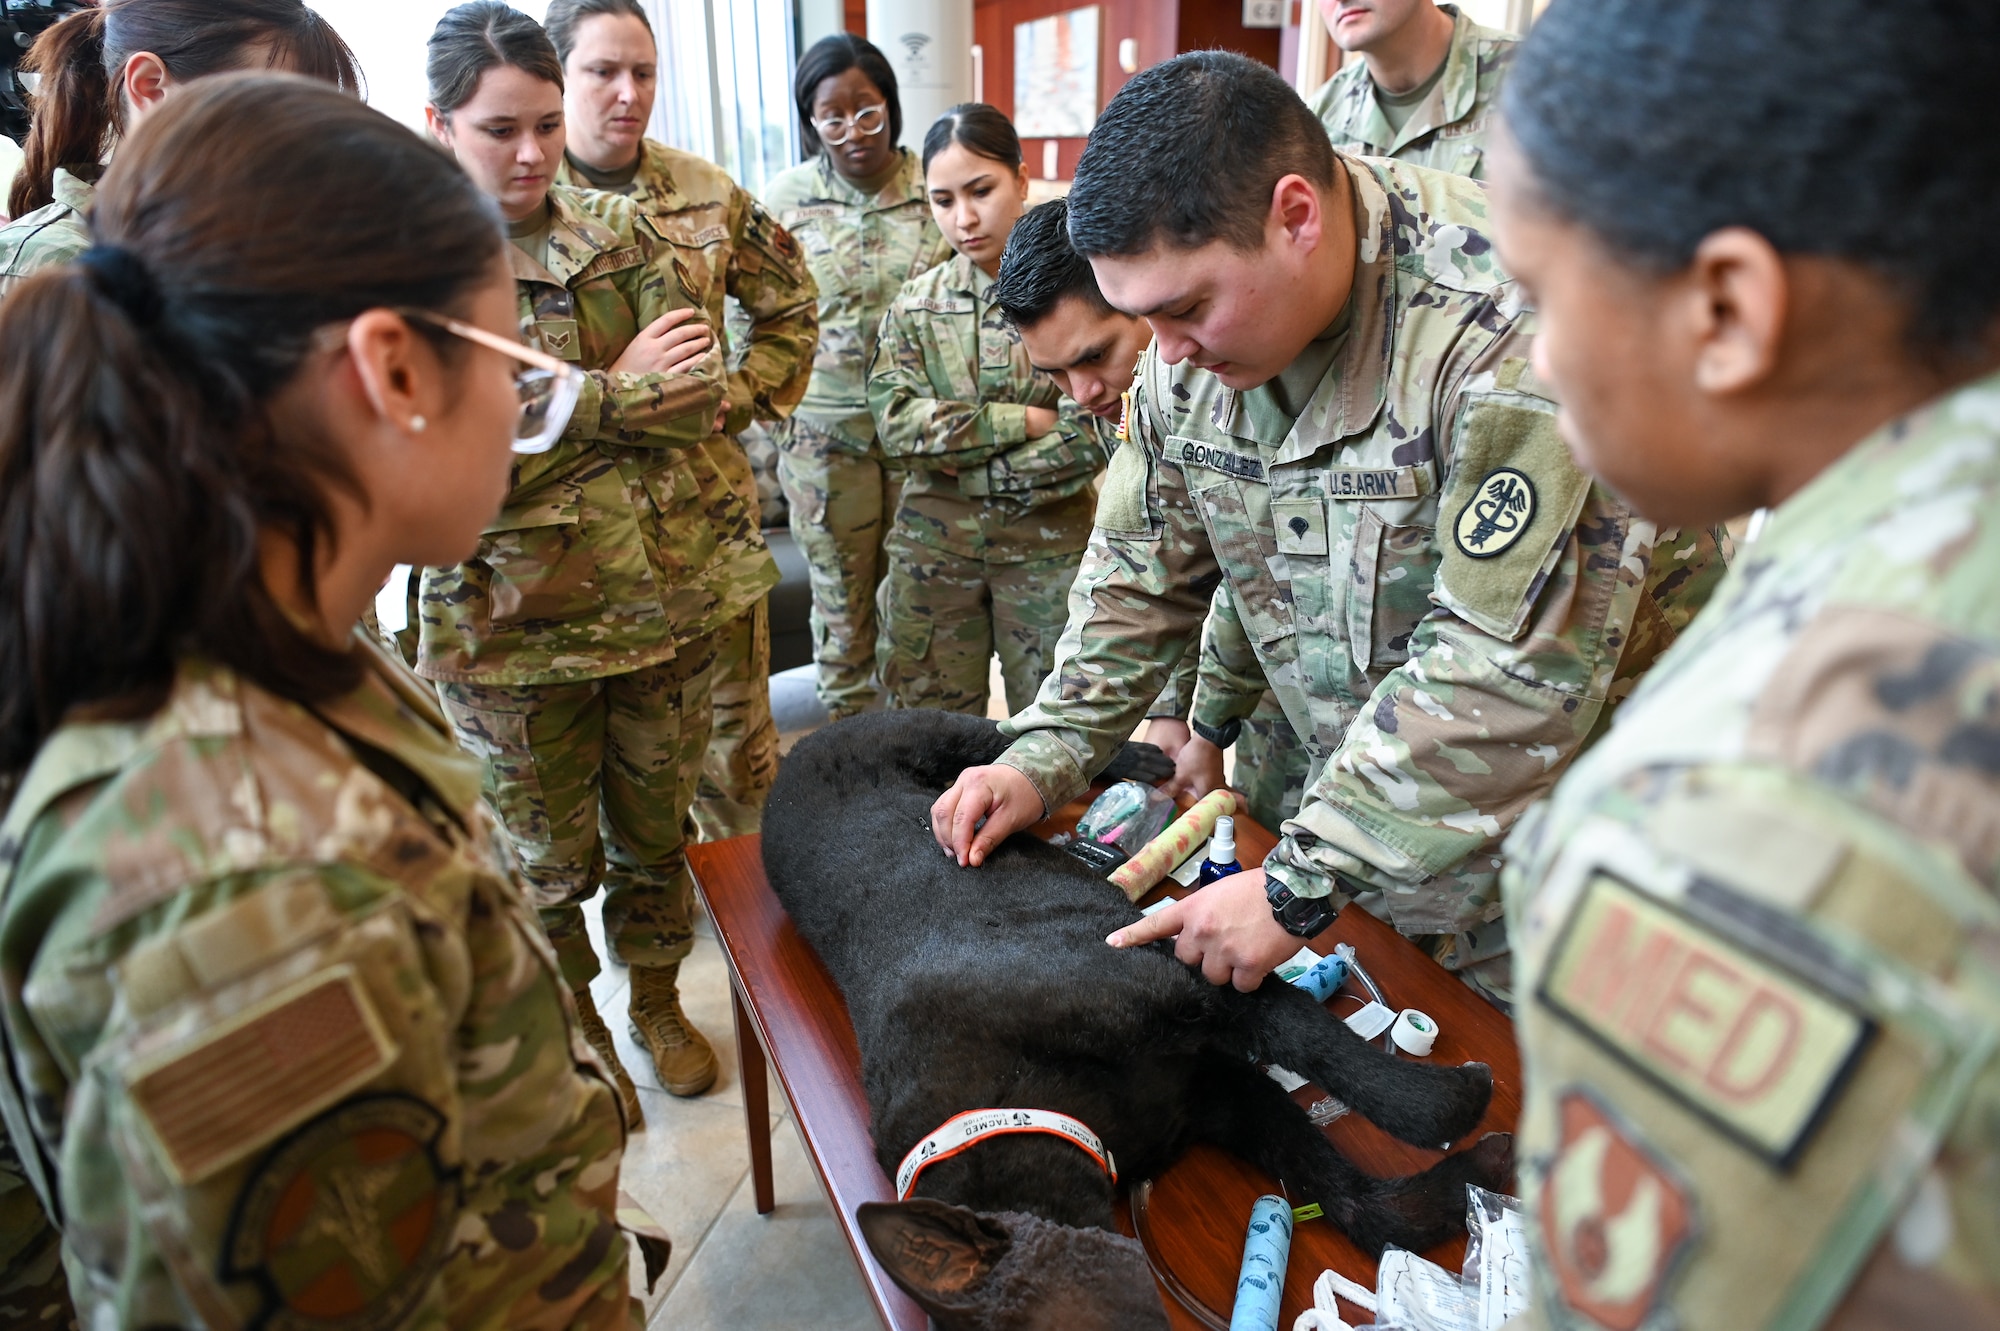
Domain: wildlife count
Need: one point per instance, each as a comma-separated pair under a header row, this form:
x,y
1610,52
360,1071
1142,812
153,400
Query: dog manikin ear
x,y
934,1250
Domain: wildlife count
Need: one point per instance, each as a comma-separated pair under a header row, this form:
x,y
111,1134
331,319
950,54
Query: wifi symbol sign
x,y
915,42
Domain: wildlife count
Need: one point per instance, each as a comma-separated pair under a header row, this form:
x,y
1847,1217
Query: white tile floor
x,y
732,1269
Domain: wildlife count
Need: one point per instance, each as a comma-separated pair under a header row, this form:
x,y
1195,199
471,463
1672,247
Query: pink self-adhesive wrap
x,y
1137,875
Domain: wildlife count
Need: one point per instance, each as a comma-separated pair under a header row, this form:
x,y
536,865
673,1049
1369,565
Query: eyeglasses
x,y
867,122
548,387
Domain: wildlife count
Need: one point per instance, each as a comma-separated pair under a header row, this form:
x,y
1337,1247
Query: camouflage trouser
x,y
840,504
594,780
34,1291
742,756
1271,764
944,617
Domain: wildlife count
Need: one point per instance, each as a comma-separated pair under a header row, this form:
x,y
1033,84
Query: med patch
x,y
345,1223
1615,1220
1510,500
1747,1045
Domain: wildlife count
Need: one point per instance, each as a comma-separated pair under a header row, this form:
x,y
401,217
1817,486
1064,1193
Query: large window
x,y
725,72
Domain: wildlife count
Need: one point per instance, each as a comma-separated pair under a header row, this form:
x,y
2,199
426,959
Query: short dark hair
x,y
1041,269
141,464
566,16
1812,122
485,34
978,128
836,55
1188,152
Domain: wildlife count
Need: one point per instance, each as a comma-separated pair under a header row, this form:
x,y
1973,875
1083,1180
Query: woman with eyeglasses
x,y
285,1045
859,212
573,649
997,507
101,70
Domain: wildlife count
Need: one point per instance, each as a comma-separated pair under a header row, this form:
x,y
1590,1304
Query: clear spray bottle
x,y
1221,861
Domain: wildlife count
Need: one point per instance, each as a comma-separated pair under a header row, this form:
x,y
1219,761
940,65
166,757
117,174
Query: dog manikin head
x,y
1005,1271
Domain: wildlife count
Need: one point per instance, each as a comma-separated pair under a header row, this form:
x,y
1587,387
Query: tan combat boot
x,y
685,1060
599,1035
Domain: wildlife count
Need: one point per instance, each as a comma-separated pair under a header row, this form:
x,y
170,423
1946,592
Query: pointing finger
x,y
1160,924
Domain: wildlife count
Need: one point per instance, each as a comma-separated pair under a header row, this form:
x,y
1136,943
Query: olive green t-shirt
x,y
1398,107
531,234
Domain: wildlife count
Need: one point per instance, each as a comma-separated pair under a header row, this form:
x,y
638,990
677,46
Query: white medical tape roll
x,y
1414,1033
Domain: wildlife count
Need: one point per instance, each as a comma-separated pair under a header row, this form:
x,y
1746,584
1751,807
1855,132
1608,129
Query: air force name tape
x,y
962,1130
1499,513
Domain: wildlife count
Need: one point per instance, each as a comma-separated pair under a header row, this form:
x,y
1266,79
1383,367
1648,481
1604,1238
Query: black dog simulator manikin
x,y
987,999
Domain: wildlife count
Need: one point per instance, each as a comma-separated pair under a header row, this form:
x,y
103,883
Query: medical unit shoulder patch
x,y
1497,515
346,1221
1615,1221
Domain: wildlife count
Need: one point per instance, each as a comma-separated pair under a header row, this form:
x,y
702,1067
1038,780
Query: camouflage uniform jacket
x,y
1756,925
950,388
1441,601
861,249
1447,132
52,234
605,555
727,245
285,1042
721,243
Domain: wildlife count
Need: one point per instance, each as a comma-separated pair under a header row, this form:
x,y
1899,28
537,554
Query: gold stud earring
x,y
417,424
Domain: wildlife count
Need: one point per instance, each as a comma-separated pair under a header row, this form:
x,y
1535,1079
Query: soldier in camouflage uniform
x,y
573,651
857,209
727,246
997,507
1756,925
1440,120
75,122
1442,601
285,1044
1441,124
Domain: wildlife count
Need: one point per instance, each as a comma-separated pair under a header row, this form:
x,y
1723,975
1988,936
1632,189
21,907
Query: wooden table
x,y
788,1010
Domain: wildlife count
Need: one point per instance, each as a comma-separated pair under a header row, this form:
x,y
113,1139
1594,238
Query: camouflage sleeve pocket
x,y
1124,505
1509,501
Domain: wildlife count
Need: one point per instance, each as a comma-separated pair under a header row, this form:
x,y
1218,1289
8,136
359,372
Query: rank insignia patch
x,y
345,1222
1499,513
1615,1221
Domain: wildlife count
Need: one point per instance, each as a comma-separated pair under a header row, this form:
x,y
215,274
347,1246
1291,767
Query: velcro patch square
x,y
237,1086
1749,1046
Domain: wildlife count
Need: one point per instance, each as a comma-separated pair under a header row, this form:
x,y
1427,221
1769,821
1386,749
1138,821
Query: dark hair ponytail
x,y
566,16
140,468
979,129
78,105
485,34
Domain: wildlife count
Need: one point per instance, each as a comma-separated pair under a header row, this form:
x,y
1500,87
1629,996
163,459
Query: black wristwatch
x,y
1301,917
1221,737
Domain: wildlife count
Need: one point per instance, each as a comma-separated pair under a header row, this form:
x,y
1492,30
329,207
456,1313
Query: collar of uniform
x,y
575,239
379,712
655,182
1351,394
966,277
72,190
905,184
1448,102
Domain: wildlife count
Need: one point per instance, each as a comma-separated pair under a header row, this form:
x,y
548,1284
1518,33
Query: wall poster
x,y
1055,75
